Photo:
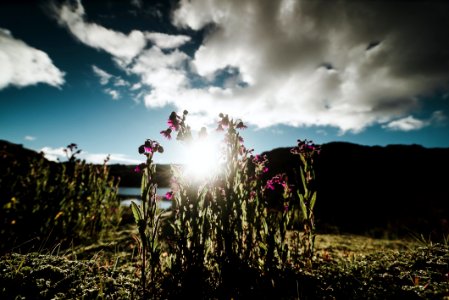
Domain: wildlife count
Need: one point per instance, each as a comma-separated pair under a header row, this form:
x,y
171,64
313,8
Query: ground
x,y
345,267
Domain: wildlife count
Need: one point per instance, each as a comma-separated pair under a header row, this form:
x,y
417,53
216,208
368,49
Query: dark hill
x,y
397,187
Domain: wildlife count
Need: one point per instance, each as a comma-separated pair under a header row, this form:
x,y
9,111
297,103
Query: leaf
x,y
312,202
303,205
303,179
136,212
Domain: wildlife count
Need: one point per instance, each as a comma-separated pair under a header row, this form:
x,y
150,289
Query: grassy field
x,y
345,267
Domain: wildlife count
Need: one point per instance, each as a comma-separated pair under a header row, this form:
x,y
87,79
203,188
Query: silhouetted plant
x,y
307,152
44,202
147,217
233,221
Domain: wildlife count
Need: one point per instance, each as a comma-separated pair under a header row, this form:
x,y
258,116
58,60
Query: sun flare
x,y
203,159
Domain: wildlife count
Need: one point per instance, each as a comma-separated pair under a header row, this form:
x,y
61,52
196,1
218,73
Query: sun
x,y
203,159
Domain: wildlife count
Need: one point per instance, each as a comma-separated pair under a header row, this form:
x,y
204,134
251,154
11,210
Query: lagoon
x,y
128,194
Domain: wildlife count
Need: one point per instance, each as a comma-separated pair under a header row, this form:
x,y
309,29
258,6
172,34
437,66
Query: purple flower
x,y
167,133
148,149
265,170
240,125
173,121
139,168
168,195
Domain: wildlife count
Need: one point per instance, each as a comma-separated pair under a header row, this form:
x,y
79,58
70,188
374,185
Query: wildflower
x,y
241,139
167,133
168,195
173,121
148,149
240,125
139,168
141,149
224,122
265,170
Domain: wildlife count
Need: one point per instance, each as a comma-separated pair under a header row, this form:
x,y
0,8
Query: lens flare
x,y
203,159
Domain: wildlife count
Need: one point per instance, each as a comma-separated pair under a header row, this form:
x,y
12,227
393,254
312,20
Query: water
x,y
129,194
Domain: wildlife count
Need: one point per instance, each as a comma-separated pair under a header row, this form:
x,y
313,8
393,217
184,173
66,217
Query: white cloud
x,y
23,65
120,82
167,41
410,123
113,93
406,124
122,46
102,74
55,154
136,86
29,138
98,158
318,62
292,62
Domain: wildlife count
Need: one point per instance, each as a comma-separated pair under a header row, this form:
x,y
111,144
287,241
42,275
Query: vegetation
x,y
44,203
231,232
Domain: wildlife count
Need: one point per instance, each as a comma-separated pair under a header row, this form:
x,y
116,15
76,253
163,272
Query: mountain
x,y
400,188
361,189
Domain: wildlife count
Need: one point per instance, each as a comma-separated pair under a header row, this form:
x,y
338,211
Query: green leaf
x,y
303,179
312,202
136,212
303,205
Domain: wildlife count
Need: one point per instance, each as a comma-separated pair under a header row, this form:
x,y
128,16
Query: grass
x,y
345,267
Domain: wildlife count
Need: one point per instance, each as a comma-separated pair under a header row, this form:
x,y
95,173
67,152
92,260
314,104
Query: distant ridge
x,y
363,187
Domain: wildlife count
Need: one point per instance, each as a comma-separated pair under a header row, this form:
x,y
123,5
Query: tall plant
x,y
147,216
307,195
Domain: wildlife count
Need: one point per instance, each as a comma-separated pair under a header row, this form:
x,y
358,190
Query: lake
x,y
128,194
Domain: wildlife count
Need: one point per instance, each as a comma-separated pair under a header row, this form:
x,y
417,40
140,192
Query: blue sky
x,y
107,74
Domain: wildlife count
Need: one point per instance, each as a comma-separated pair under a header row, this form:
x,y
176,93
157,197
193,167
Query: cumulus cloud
x,y
113,93
102,74
167,41
348,64
410,123
54,154
122,46
58,154
406,124
23,65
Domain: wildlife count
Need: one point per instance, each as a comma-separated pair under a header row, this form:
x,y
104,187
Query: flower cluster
x,y
150,147
176,123
306,147
277,187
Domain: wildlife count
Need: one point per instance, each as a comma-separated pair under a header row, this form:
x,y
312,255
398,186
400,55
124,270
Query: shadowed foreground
x,y
345,267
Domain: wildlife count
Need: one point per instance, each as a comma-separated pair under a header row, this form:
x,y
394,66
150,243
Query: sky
x,y
107,74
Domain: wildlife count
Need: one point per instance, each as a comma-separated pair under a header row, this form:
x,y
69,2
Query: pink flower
x,y
240,125
168,195
139,168
148,149
167,133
